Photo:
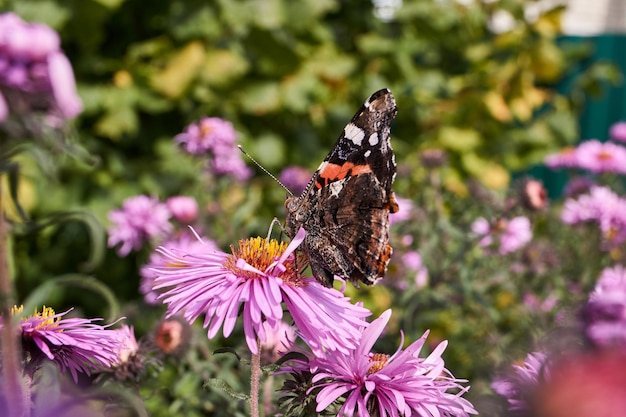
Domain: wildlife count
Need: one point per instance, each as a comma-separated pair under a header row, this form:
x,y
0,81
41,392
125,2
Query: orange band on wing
x,y
334,172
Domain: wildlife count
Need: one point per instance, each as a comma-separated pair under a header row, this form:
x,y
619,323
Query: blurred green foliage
x,y
289,75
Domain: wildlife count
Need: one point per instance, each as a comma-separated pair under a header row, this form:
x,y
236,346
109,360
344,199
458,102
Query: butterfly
x,y
346,204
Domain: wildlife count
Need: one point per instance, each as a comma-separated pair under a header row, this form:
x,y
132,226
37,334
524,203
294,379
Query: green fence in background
x,y
599,112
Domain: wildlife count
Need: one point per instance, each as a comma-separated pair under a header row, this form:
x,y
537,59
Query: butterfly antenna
x,y
272,176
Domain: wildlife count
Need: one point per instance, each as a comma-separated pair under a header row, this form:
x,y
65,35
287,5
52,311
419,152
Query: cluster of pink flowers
x,y
605,312
505,235
143,218
601,206
593,155
217,137
582,379
258,279
35,74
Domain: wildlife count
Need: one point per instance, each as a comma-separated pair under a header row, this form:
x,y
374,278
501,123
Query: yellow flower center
x,y
261,253
46,316
378,362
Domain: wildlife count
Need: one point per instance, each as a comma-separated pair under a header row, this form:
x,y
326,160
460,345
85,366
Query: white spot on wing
x,y
368,153
322,165
336,187
354,133
373,140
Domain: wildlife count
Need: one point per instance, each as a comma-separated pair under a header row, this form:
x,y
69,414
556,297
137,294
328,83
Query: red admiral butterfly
x,y
345,207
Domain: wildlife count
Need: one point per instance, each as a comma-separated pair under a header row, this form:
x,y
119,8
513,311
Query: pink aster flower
x,y
518,386
183,243
257,278
509,235
605,313
74,344
412,260
566,158
598,157
140,219
216,137
383,385
603,207
618,132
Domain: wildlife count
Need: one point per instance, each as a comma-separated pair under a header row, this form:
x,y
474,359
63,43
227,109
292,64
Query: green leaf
x,y
222,386
457,139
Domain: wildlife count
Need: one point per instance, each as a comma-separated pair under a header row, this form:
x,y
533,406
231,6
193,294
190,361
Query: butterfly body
x,y
345,207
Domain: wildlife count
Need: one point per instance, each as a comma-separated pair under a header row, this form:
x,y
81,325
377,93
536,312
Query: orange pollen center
x,y
205,129
378,362
604,156
261,253
46,315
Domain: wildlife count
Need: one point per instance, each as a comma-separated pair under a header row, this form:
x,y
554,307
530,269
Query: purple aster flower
x,y
598,157
566,158
518,386
74,344
605,313
184,243
218,138
618,132
383,385
183,208
35,74
257,278
510,235
140,219
412,260
603,207
207,135
64,86
295,178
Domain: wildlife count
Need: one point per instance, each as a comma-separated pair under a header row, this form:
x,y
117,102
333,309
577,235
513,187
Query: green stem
x,y
255,378
11,372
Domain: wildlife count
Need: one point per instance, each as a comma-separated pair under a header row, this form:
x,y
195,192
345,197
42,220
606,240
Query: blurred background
x,y
485,89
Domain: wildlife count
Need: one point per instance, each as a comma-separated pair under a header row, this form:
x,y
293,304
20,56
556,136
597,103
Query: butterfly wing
x,y
345,209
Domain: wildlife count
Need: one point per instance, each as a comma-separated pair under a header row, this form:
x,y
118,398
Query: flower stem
x,y
254,383
11,377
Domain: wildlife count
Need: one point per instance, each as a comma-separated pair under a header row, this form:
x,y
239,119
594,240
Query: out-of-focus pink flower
x,y
63,85
509,235
603,207
412,260
605,312
34,72
218,138
295,178
618,132
4,108
598,157
518,386
404,213
566,158
183,208
280,339
141,218
403,384
534,195
254,282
